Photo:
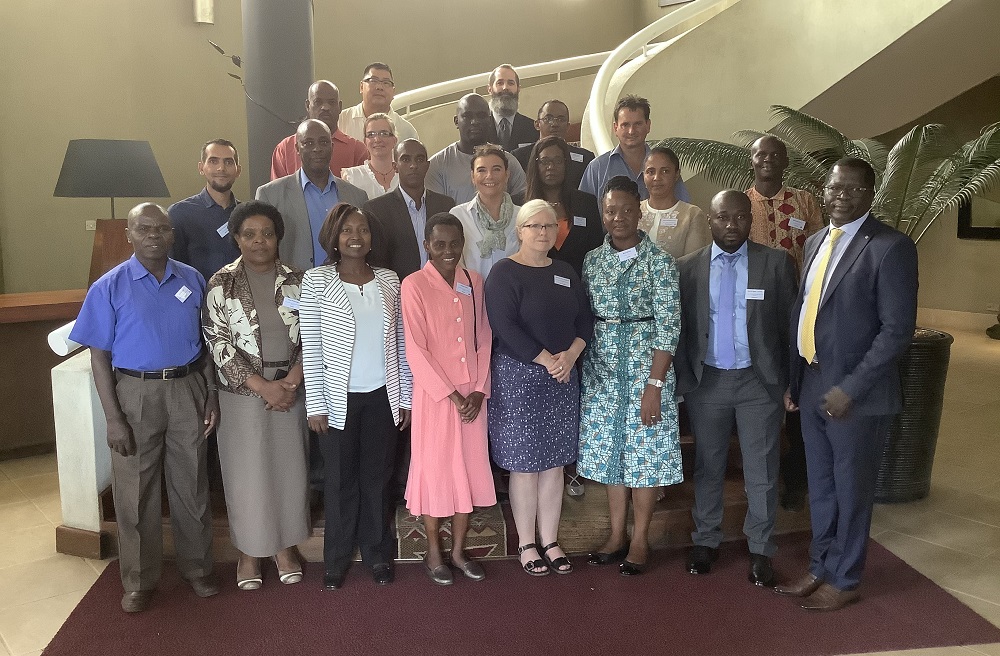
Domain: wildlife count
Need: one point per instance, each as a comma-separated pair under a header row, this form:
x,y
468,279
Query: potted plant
x,y
925,174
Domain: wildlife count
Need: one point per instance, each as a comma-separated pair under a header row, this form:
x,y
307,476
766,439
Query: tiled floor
x,y
953,536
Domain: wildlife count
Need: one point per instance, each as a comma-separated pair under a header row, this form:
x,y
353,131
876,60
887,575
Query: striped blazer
x,y
326,322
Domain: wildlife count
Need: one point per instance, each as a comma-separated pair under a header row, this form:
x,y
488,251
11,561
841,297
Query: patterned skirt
x,y
534,421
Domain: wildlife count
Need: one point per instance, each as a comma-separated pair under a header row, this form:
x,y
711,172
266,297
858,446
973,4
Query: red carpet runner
x,y
592,611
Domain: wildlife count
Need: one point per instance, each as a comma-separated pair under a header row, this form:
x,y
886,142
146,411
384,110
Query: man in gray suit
x,y
403,212
305,197
732,367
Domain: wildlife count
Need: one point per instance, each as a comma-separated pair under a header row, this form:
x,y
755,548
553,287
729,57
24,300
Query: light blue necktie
x,y
726,342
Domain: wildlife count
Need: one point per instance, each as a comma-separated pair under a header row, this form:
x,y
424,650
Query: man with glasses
x,y
377,92
142,322
553,121
322,103
201,222
853,319
511,128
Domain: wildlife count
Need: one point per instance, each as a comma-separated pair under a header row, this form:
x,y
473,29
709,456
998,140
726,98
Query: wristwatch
x,y
655,382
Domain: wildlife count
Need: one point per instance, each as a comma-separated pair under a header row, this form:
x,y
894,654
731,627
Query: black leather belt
x,y
163,374
623,320
275,364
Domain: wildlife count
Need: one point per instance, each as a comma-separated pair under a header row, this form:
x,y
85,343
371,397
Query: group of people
x,y
520,302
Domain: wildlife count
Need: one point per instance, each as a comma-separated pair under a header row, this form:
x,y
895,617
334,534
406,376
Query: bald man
x,y
732,368
322,103
450,171
142,322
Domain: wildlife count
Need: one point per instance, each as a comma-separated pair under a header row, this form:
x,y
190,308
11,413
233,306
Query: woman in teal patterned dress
x,y
628,425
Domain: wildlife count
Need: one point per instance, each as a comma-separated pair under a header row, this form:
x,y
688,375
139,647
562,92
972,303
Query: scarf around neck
x,y
494,232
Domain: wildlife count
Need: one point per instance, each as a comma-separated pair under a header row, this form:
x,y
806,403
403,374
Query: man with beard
x,y
201,222
377,92
450,170
323,103
553,121
513,130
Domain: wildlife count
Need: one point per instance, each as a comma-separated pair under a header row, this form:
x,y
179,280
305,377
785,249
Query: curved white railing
x,y
597,120
404,102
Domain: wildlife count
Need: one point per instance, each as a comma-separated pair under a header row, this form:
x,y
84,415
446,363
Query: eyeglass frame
x,y
381,81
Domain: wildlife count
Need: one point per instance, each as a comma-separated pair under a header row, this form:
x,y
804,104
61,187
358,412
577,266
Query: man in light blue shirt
x,y
732,368
631,126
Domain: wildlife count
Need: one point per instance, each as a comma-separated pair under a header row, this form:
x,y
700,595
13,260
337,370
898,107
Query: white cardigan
x,y
327,325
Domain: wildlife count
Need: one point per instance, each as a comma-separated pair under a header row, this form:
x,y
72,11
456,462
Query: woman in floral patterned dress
x,y
251,327
628,417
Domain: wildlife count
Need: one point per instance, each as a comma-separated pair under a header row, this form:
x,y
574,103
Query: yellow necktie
x,y
808,328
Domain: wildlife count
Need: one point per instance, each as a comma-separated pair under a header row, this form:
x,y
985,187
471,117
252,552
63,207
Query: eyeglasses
x,y
250,235
852,192
385,134
554,120
380,81
541,227
143,230
545,162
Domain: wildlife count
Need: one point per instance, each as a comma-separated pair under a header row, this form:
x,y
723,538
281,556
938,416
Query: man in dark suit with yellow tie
x,y
853,319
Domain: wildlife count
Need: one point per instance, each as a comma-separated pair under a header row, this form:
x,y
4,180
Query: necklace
x,y
377,172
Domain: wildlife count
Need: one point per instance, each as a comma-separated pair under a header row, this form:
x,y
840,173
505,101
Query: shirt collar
x,y
756,195
208,201
410,202
137,271
497,116
852,228
304,180
716,251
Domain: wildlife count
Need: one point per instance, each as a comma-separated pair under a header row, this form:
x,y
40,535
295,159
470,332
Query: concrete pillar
x,y
278,69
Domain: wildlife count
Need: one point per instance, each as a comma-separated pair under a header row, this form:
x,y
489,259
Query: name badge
x,y
559,280
798,224
669,222
290,303
223,230
576,157
755,294
627,254
183,293
525,144
463,289
580,221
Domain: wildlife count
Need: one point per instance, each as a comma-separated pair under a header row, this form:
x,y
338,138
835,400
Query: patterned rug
x,y
487,536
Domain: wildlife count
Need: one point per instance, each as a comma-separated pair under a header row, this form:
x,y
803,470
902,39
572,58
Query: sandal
x,y
574,486
560,565
532,565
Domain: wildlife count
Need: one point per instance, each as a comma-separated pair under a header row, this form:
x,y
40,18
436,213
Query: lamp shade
x,y
110,168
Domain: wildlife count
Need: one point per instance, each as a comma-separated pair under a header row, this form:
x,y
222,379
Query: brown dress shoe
x,y
136,602
828,597
803,587
205,586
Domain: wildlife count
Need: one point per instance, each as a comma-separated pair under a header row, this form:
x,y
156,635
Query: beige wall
x,y
142,69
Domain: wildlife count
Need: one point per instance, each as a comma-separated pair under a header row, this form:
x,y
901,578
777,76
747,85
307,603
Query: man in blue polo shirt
x,y
631,125
201,222
142,322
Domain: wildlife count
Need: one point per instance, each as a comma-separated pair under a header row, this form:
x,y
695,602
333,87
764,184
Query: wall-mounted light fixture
x,y
204,11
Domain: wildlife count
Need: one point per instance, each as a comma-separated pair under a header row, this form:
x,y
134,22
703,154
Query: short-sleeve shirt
x,y
145,323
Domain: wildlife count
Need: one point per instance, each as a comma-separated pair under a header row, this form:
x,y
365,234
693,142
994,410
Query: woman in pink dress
x,y
448,345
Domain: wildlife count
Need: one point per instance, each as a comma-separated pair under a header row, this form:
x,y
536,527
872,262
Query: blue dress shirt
x,y
319,202
610,164
739,303
197,241
142,321
419,220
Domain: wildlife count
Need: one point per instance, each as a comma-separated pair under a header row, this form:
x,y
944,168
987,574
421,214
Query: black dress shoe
x,y
383,574
700,559
628,568
761,572
334,580
602,558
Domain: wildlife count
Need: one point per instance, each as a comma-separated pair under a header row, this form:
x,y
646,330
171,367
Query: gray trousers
x,y
166,420
722,400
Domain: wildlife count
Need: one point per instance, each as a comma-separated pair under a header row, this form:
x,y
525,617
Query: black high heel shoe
x,y
602,558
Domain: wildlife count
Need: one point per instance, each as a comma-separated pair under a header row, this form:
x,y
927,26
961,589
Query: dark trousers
x,y
356,499
793,462
843,457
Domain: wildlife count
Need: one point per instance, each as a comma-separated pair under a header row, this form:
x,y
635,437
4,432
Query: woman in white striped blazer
x,y
358,391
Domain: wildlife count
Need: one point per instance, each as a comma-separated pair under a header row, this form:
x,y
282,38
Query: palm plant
x,y
925,174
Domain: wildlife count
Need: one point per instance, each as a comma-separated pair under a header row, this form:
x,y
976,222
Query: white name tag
x,y
798,224
580,221
525,144
559,280
291,303
576,157
755,294
463,289
182,293
223,230
627,254
669,222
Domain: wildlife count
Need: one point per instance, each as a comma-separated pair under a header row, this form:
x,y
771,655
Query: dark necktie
x,y
504,133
